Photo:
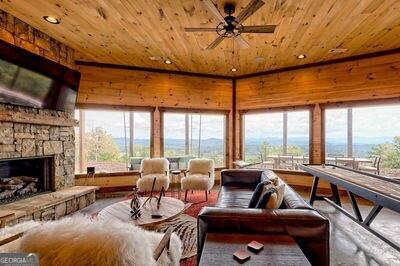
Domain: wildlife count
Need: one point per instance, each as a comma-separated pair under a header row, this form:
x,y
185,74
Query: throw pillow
x,y
257,193
271,197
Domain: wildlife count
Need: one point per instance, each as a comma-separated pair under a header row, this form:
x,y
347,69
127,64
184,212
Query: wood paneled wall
x,y
122,87
366,79
101,85
21,34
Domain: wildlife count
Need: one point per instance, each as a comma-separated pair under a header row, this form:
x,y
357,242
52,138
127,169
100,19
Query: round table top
x,y
169,208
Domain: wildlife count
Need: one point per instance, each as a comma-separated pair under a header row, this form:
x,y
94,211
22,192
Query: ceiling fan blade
x,y
242,42
249,10
215,43
259,29
200,29
214,10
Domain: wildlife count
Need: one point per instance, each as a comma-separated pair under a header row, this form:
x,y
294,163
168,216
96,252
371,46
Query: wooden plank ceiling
x,y
128,32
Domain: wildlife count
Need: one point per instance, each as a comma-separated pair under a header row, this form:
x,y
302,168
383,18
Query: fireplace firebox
x,y
25,177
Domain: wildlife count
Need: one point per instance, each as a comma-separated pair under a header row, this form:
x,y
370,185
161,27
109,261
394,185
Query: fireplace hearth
x,y
25,177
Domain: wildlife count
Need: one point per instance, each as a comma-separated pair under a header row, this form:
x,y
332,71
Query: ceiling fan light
x,y
167,61
52,20
301,56
233,69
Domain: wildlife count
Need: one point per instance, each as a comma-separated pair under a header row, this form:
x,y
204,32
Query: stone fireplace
x,y
25,177
28,133
37,161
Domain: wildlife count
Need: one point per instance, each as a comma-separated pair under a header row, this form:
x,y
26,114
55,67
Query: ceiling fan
x,y
232,27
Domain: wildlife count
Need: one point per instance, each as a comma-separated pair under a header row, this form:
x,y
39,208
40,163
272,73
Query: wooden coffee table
x,y
278,250
169,208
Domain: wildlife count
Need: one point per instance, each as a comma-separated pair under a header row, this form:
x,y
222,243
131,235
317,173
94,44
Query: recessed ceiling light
x,y
233,69
301,56
52,20
167,61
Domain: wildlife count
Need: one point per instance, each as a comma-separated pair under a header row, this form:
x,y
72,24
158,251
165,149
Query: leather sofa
x,y
295,217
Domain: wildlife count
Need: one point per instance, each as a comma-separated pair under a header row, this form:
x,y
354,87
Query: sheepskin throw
x,y
78,240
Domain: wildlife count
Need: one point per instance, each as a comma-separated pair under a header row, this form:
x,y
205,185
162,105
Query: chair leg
x,y
186,195
206,195
209,192
192,191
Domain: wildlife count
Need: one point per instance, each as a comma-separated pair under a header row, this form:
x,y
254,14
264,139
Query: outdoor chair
x,y
374,168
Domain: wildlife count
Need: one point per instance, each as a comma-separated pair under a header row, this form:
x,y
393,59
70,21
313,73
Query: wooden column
x,y
82,156
317,147
157,139
285,132
349,132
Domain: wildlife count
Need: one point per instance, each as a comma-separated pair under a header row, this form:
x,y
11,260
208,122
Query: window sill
x,y
127,173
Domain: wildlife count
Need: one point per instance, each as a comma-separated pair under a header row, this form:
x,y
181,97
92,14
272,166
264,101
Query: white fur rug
x,y
78,240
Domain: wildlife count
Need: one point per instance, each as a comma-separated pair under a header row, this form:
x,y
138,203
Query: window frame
x,y
112,108
225,113
350,105
288,109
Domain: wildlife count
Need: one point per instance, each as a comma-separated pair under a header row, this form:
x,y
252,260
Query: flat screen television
x,y
29,80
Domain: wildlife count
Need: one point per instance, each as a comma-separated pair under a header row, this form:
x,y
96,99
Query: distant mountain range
x,y
361,146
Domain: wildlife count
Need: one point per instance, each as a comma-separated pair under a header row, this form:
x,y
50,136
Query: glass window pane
x,y
106,144
336,133
376,134
265,135
189,136
298,133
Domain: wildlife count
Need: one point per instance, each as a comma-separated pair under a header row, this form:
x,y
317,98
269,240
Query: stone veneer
x,y
21,140
49,206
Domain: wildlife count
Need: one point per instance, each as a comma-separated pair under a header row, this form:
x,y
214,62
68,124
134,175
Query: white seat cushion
x,y
197,182
146,181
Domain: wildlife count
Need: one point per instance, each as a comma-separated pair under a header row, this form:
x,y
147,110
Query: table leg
x,y
313,194
335,195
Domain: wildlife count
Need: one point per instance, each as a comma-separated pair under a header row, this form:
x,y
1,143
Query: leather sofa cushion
x,y
234,197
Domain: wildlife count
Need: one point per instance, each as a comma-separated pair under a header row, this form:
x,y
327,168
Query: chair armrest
x,y
307,227
140,174
241,177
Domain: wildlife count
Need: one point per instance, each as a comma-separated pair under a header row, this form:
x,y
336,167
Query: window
x,y
367,137
277,140
188,136
112,141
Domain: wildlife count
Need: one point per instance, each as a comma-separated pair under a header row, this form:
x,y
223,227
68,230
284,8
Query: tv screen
x,y
31,80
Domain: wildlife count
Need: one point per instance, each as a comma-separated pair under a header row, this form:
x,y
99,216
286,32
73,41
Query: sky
x,y
369,124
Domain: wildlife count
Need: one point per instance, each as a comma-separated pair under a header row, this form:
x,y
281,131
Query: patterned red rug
x,y
198,200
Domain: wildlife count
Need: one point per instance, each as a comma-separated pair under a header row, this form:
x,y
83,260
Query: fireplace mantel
x,y
36,118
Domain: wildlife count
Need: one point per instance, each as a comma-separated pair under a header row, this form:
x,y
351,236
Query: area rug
x,y
185,227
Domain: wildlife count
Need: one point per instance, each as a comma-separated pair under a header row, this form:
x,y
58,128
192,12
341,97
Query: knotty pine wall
x,y
369,79
122,87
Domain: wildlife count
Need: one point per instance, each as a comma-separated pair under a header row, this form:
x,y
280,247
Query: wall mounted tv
x,y
30,80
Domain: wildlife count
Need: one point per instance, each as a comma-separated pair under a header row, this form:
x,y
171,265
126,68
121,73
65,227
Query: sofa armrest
x,y
307,227
241,177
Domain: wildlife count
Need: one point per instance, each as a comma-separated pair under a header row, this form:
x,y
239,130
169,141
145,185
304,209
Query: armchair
x,y
150,168
199,176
